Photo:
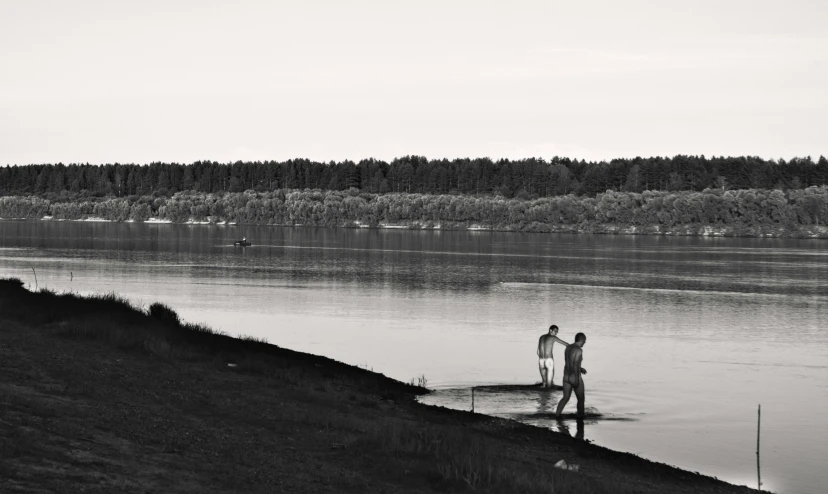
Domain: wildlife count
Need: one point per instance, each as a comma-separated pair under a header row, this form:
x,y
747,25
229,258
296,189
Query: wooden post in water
x,y
35,275
758,428
472,399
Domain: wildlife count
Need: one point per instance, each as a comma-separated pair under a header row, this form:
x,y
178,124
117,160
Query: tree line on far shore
x,y
525,179
748,211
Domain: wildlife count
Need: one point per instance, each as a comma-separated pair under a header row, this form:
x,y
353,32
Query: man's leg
x,y
552,379
579,393
547,370
542,369
567,392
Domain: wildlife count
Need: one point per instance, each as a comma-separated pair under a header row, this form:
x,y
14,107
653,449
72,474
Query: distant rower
x,y
546,362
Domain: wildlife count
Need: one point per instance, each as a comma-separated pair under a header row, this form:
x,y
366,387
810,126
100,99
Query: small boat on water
x,y
242,243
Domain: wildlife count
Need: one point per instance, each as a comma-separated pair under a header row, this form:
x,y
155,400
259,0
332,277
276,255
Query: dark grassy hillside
x,y
98,396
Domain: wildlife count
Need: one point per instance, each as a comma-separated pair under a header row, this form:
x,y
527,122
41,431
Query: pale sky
x,y
140,81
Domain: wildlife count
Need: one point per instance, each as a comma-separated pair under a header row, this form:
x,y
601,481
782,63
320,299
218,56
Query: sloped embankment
x,y
97,396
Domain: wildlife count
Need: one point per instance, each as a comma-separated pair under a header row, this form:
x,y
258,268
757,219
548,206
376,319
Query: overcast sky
x,y
141,81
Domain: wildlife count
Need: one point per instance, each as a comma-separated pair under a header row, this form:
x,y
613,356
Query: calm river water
x,y
686,336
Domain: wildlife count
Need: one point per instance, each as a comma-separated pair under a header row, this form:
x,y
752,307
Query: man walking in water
x,y
572,375
546,362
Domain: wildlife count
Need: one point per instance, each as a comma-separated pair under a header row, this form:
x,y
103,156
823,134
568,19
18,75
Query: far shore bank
x,y
695,230
100,396
775,213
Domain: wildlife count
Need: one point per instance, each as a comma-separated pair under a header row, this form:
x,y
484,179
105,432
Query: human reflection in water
x,y
579,429
545,401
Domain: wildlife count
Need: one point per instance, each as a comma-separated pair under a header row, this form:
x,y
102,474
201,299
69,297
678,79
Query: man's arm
x,y
537,352
578,358
562,342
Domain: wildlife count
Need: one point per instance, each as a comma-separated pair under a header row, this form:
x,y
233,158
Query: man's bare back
x,y
546,362
572,365
546,343
572,380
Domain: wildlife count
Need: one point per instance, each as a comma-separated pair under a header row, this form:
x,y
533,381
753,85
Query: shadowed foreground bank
x,y
97,396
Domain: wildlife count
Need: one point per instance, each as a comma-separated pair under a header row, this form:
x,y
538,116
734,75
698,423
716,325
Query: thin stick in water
x,y
35,275
472,400
758,428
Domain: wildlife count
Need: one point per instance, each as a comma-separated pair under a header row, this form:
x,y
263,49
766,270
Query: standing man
x,y
546,362
572,375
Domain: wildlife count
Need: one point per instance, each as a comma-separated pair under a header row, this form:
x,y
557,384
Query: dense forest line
x,y
525,179
800,212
